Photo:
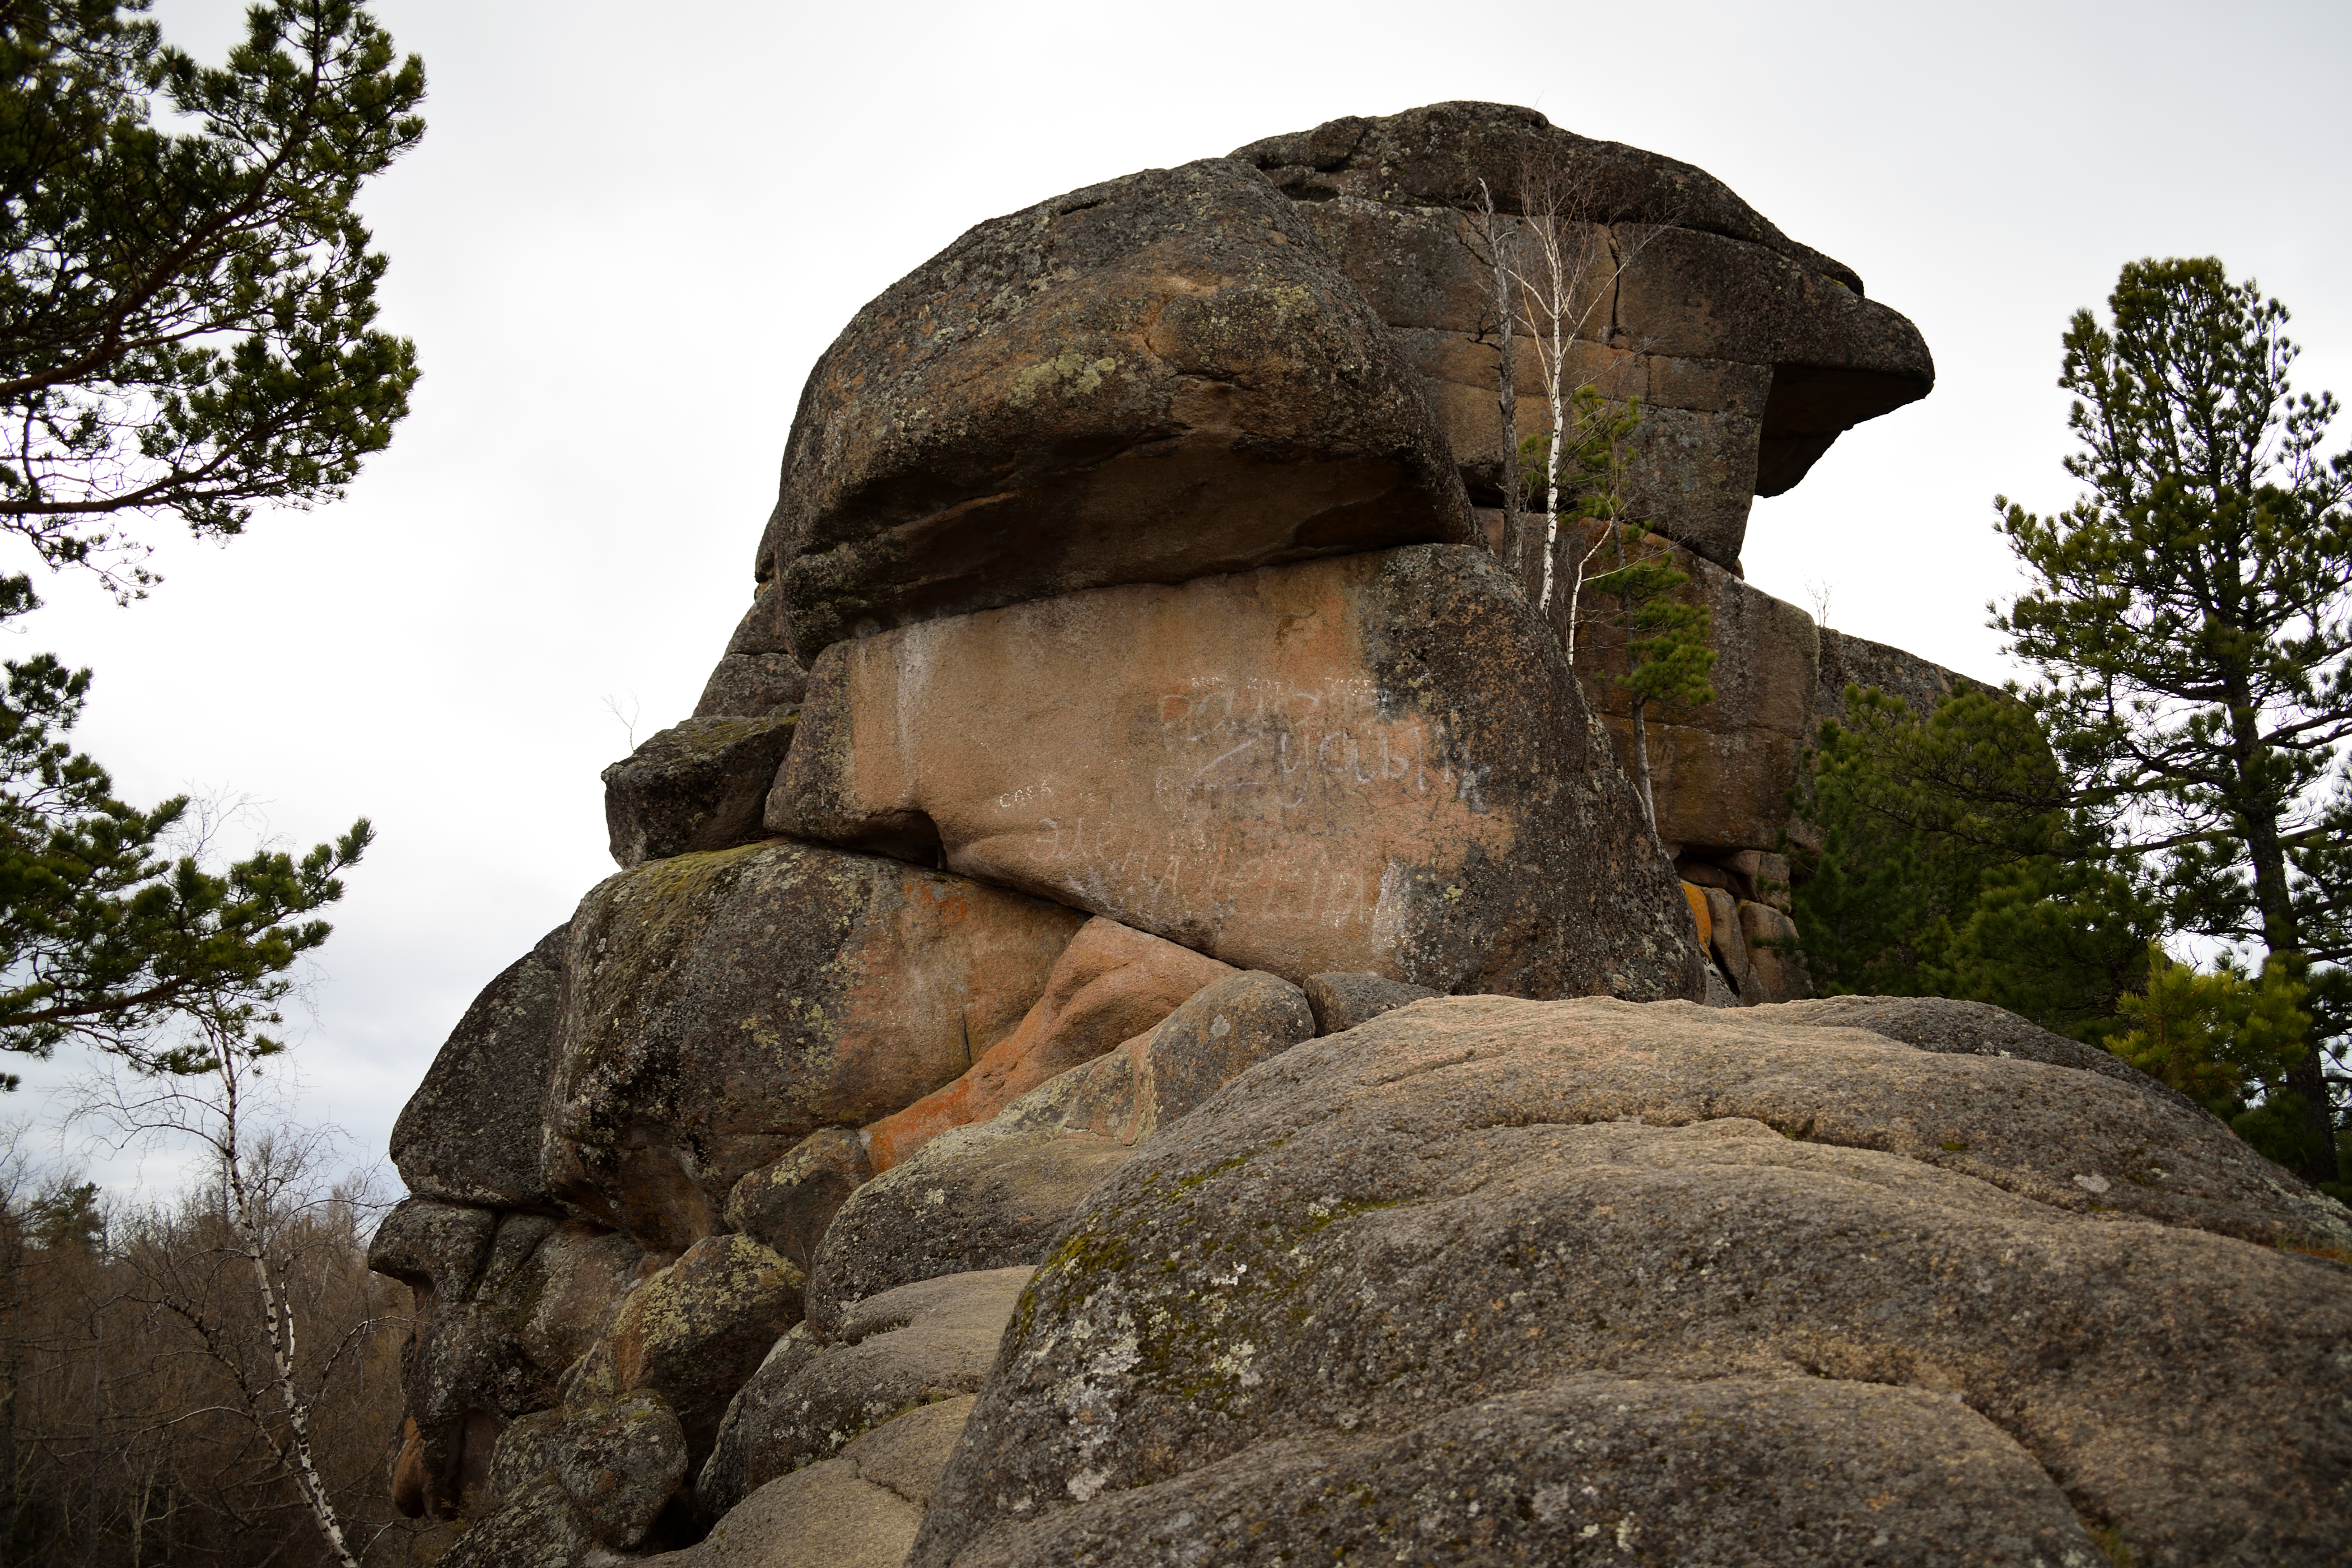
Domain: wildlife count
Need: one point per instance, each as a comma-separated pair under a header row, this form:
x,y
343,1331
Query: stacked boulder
x,y
1131,693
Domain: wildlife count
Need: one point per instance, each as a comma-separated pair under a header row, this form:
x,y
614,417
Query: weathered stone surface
x,y
695,1332
1773,957
1728,938
471,1132
1751,351
1599,1470
1149,380
695,785
488,1342
584,1487
1970,1028
1849,660
1693,472
617,1463
1110,985
723,1007
985,1196
1720,772
1436,156
786,1207
1377,764
860,1510
1412,1246
536,1527
1341,1002
751,686
436,1249
1220,1032
911,1346
1129,1094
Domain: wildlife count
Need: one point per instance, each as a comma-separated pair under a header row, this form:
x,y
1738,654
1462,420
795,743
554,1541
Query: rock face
x,y
723,1007
1376,764
1111,985
910,1347
786,1207
695,1332
1600,1469
1220,1033
1149,380
504,1304
697,785
1750,353
858,1511
1565,1260
1341,1002
471,1132
975,1199
758,675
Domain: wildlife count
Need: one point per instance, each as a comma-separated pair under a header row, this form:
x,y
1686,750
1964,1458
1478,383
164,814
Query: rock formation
x,y
1142,1021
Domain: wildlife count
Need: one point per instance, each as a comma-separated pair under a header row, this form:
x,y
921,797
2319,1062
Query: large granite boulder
x,y
695,785
1376,764
915,1345
857,1509
1666,1280
1111,985
1145,381
471,1132
1749,351
723,1007
693,1333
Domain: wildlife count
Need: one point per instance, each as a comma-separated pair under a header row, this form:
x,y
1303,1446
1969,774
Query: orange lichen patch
x,y
1696,898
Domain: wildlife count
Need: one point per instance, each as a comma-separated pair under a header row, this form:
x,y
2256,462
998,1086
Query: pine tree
x,y
2192,617
186,314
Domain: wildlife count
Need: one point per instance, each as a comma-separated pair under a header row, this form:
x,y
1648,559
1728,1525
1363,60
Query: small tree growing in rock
x,y
1553,269
1667,659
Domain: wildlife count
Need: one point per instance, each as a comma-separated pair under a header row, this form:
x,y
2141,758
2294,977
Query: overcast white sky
x,y
632,228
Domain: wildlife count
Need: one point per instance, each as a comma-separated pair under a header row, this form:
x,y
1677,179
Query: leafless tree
x,y
1553,271
260,1285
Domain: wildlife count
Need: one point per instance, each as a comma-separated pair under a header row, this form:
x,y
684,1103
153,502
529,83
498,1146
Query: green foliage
x,y
1667,656
2189,616
104,938
2225,1039
61,1213
185,314
1949,864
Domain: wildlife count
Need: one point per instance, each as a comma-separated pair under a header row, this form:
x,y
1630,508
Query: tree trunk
x,y
1642,762
1506,391
2259,818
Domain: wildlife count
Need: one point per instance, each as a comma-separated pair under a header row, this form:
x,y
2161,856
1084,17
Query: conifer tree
x,y
186,314
2191,616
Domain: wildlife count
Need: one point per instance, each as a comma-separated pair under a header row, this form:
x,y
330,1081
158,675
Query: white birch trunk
x,y
278,1320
